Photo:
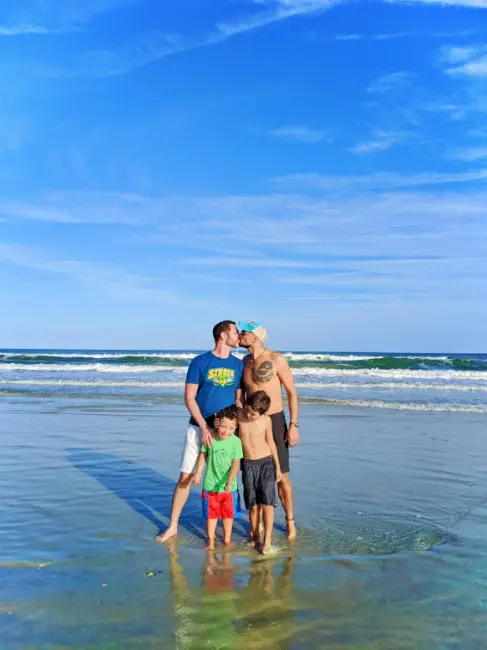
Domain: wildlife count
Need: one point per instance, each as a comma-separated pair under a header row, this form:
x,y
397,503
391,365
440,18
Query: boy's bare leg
x,y
261,527
211,532
285,491
254,517
227,531
180,496
268,512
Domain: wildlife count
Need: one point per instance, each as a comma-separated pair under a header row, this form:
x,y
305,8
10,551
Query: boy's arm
x,y
200,466
233,474
272,446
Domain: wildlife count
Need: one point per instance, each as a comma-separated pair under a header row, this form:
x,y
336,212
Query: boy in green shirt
x,y
220,494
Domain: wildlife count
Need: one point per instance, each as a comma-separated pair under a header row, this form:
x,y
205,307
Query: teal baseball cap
x,y
255,328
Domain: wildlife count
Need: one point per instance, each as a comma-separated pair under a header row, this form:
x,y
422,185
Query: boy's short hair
x,y
229,412
259,401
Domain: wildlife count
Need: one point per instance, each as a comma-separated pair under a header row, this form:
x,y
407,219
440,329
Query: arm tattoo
x,y
265,372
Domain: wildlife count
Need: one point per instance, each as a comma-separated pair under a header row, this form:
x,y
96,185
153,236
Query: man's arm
x,y
272,446
287,380
200,466
190,391
239,397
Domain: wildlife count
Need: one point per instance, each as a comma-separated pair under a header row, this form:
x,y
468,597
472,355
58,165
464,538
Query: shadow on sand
x,y
142,488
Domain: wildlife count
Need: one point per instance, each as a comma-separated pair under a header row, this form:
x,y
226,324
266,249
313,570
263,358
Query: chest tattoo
x,y
264,373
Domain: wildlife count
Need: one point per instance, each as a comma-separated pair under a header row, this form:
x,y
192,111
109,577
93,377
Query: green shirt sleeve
x,y
204,448
237,449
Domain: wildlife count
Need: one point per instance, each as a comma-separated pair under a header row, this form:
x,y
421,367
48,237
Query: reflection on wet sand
x,y
220,614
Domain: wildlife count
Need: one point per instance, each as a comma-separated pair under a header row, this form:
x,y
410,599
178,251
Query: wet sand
x,y
391,552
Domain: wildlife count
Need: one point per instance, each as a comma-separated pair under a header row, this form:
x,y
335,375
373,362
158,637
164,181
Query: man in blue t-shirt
x,y
213,381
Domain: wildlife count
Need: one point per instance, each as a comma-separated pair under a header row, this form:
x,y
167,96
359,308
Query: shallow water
x,y
392,550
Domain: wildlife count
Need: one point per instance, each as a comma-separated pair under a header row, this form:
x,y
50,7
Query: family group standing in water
x,y
237,422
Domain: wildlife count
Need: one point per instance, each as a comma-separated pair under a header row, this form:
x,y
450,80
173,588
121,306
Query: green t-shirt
x,y
221,455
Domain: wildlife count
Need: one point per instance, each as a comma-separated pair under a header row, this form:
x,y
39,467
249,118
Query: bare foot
x,y
291,529
266,548
170,532
228,543
211,545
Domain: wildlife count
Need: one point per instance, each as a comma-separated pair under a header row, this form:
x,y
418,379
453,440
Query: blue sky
x,y
317,165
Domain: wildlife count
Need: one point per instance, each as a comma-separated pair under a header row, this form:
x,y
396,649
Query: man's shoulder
x,y
203,356
277,357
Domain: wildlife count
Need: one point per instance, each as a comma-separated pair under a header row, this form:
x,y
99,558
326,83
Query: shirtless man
x,y
268,370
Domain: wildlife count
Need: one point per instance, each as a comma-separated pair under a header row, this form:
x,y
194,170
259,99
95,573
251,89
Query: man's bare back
x,y
254,435
263,374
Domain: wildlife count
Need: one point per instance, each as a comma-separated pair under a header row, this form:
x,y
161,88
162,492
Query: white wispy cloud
x,y
377,181
475,4
390,82
299,134
31,17
365,234
79,208
470,61
105,278
25,30
471,154
380,141
158,45
402,35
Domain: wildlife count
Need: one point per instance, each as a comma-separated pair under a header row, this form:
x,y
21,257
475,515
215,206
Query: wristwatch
x,y
294,424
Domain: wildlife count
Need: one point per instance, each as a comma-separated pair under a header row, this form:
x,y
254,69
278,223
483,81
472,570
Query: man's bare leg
x,y
285,490
180,496
227,531
211,532
268,512
254,517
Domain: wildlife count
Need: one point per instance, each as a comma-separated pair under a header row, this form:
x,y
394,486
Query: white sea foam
x,y
89,367
322,386
391,385
100,355
309,356
451,376
319,356
404,406
101,383
396,373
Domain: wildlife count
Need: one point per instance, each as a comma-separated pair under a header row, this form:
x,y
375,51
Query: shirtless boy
x,y
260,466
268,370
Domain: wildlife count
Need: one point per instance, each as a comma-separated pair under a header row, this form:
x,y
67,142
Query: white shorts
x,y
191,449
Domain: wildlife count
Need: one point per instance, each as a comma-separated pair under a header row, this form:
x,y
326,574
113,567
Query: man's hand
x,y
196,478
278,477
207,435
292,435
229,486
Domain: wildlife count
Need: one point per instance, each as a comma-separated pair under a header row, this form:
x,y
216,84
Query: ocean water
x,y
432,382
390,495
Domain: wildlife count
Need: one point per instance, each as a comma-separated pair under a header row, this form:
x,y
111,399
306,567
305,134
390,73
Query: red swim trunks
x,y
220,505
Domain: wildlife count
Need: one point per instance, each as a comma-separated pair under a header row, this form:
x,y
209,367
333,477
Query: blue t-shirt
x,y
217,380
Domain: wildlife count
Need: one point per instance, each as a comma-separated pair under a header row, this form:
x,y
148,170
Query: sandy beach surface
x,y
391,552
